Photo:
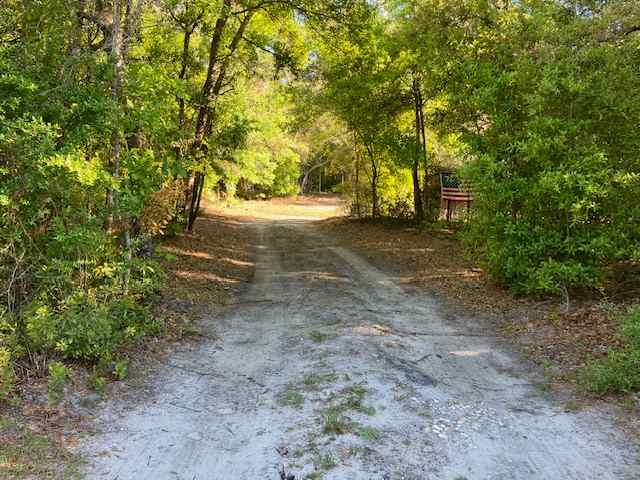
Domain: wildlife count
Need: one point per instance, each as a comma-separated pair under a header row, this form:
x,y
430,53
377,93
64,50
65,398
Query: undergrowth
x,y
83,306
26,454
619,371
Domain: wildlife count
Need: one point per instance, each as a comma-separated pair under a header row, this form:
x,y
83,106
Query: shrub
x,y
554,170
160,208
98,384
59,374
395,192
87,328
534,232
121,369
6,373
619,372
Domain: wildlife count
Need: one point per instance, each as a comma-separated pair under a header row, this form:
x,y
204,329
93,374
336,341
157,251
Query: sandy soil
x,y
307,207
325,366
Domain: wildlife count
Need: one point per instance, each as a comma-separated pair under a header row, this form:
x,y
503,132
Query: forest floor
x,y
337,349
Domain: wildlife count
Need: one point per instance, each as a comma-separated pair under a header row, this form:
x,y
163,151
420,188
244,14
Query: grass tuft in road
x,y
320,337
325,461
351,398
354,400
370,434
337,423
291,398
315,379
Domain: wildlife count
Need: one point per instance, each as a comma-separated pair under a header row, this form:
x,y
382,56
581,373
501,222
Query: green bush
x,y
553,229
6,373
619,372
87,329
98,384
549,154
120,369
59,375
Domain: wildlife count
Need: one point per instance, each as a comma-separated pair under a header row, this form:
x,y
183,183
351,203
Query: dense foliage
x,y
620,371
533,103
113,113
551,154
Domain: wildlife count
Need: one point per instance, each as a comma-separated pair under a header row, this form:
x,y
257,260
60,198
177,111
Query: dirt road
x,y
326,367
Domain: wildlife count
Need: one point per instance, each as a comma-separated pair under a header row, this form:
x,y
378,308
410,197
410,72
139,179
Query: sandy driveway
x,y
328,368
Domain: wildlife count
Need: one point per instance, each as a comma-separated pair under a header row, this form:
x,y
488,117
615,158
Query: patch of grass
x,y
315,379
120,369
320,337
353,451
618,372
166,255
337,423
352,398
325,461
370,434
546,364
26,455
59,375
98,384
190,330
7,374
291,398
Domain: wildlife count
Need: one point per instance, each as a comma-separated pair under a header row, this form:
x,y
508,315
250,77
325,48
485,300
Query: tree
x,y
547,139
105,106
364,89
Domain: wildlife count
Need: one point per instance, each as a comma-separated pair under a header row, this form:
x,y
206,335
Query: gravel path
x,y
328,369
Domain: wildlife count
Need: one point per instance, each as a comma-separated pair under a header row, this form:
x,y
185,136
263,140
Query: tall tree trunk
x,y
425,156
237,37
118,72
357,175
211,90
183,73
214,52
199,197
186,40
357,187
194,206
375,207
415,175
120,41
204,108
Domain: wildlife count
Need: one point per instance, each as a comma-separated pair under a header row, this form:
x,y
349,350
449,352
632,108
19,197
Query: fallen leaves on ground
x,y
205,268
